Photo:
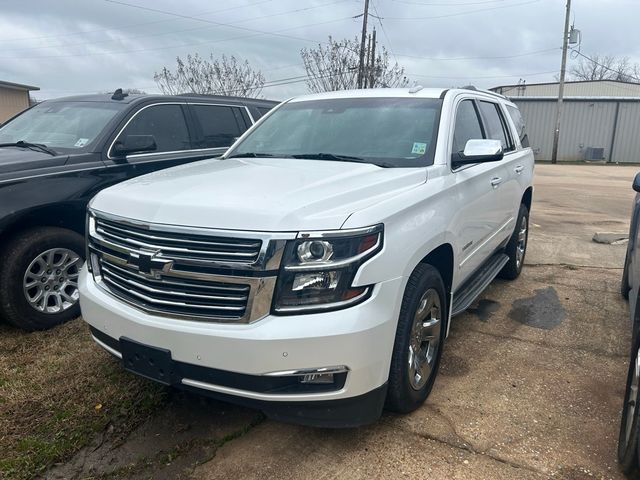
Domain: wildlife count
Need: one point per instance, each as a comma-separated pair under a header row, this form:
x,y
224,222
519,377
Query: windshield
x,y
60,125
391,132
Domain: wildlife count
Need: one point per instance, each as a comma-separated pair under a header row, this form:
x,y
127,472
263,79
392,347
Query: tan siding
x,y
12,101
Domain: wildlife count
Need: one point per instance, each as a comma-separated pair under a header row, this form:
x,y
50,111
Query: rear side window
x,y
263,110
167,125
518,121
219,125
467,126
495,124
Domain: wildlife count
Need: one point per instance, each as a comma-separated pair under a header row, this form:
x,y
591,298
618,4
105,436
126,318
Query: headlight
x,y
318,269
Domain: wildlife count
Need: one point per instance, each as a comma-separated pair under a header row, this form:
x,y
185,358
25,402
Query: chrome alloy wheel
x,y
50,283
522,242
631,404
425,339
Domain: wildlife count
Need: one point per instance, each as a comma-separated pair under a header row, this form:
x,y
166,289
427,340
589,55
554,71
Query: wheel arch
x,y
441,258
527,198
65,215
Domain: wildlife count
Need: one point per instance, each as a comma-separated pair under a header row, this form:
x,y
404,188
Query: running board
x,y
480,280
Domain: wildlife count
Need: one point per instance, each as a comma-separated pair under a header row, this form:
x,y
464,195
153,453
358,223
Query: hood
x,y
16,159
257,194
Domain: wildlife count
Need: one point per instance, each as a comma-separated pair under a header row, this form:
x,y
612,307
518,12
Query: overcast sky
x,y
85,46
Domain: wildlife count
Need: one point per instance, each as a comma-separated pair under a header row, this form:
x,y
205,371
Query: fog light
x,y
315,281
317,378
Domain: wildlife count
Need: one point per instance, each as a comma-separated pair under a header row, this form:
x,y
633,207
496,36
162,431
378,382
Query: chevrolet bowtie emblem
x,y
149,264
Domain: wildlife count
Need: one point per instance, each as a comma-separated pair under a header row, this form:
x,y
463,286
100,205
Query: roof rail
x,y
490,92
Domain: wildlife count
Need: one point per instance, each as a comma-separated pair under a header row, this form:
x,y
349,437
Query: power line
x,y
131,25
449,4
206,42
577,52
459,13
525,54
172,32
490,76
212,22
384,32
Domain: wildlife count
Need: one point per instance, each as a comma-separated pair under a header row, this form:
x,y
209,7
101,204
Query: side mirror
x,y
479,151
636,182
134,144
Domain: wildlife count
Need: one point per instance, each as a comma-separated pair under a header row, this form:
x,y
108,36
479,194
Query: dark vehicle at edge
x,y
55,156
628,441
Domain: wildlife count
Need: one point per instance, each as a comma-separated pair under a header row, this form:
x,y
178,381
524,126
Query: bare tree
x,y
605,67
335,67
219,76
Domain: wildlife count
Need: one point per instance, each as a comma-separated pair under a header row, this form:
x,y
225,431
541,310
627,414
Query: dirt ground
x,y
530,387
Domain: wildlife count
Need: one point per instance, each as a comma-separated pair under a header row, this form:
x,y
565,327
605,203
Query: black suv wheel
x,y
39,278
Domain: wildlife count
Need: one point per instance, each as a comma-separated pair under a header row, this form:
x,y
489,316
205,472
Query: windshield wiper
x,y
39,147
251,155
340,158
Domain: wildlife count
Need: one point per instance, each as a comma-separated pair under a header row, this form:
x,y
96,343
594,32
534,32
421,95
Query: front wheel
x,y
516,249
628,439
39,278
419,340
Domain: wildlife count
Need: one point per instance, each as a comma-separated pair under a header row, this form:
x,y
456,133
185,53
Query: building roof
x,y
17,86
568,81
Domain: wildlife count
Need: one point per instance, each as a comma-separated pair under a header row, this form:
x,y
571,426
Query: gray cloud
x,y
68,47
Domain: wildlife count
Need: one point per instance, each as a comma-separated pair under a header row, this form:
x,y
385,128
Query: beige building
x,y
14,98
590,88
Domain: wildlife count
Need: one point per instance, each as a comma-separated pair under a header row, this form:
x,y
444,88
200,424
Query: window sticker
x,y
419,148
83,141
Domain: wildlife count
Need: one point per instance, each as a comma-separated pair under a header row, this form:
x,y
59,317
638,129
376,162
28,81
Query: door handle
x,y
496,181
518,169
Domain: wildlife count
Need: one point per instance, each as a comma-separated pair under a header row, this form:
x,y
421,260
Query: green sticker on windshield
x,y
419,148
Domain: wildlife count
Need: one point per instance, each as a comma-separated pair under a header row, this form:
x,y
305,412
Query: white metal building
x,y
600,120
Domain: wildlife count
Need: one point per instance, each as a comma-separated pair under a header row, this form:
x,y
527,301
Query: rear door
x,y
218,126
508,193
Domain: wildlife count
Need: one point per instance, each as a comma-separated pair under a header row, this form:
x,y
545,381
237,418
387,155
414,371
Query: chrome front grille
x,y
185,246
181,272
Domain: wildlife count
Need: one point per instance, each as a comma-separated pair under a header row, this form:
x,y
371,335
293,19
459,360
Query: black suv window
x,y
518,121
495,124
467,126
167,125
219,125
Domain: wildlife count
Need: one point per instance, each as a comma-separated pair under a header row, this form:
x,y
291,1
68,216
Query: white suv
x,y
313,271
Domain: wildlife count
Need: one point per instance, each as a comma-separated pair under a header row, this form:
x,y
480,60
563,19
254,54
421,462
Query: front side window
x,y
495,125
467,126
219,125
65,126
389,132
167,125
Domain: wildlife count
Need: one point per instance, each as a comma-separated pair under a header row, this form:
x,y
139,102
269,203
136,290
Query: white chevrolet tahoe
x,y
312,271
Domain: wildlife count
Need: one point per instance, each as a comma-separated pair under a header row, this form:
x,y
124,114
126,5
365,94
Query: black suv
x,y
57,155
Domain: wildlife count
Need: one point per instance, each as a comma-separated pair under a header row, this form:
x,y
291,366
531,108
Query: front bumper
x,y
224,358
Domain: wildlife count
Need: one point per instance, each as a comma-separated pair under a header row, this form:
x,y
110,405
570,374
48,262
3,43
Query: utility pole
x,y
363,40
372,64
563,67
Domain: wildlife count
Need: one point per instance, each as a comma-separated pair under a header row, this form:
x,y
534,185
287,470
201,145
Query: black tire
x,y
17,256
512,269
628,444
624,283
401,396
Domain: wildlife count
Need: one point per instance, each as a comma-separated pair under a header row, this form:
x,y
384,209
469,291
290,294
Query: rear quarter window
x,y
518,121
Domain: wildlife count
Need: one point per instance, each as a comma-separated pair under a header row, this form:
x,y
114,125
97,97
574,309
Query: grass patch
x,y
58,390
